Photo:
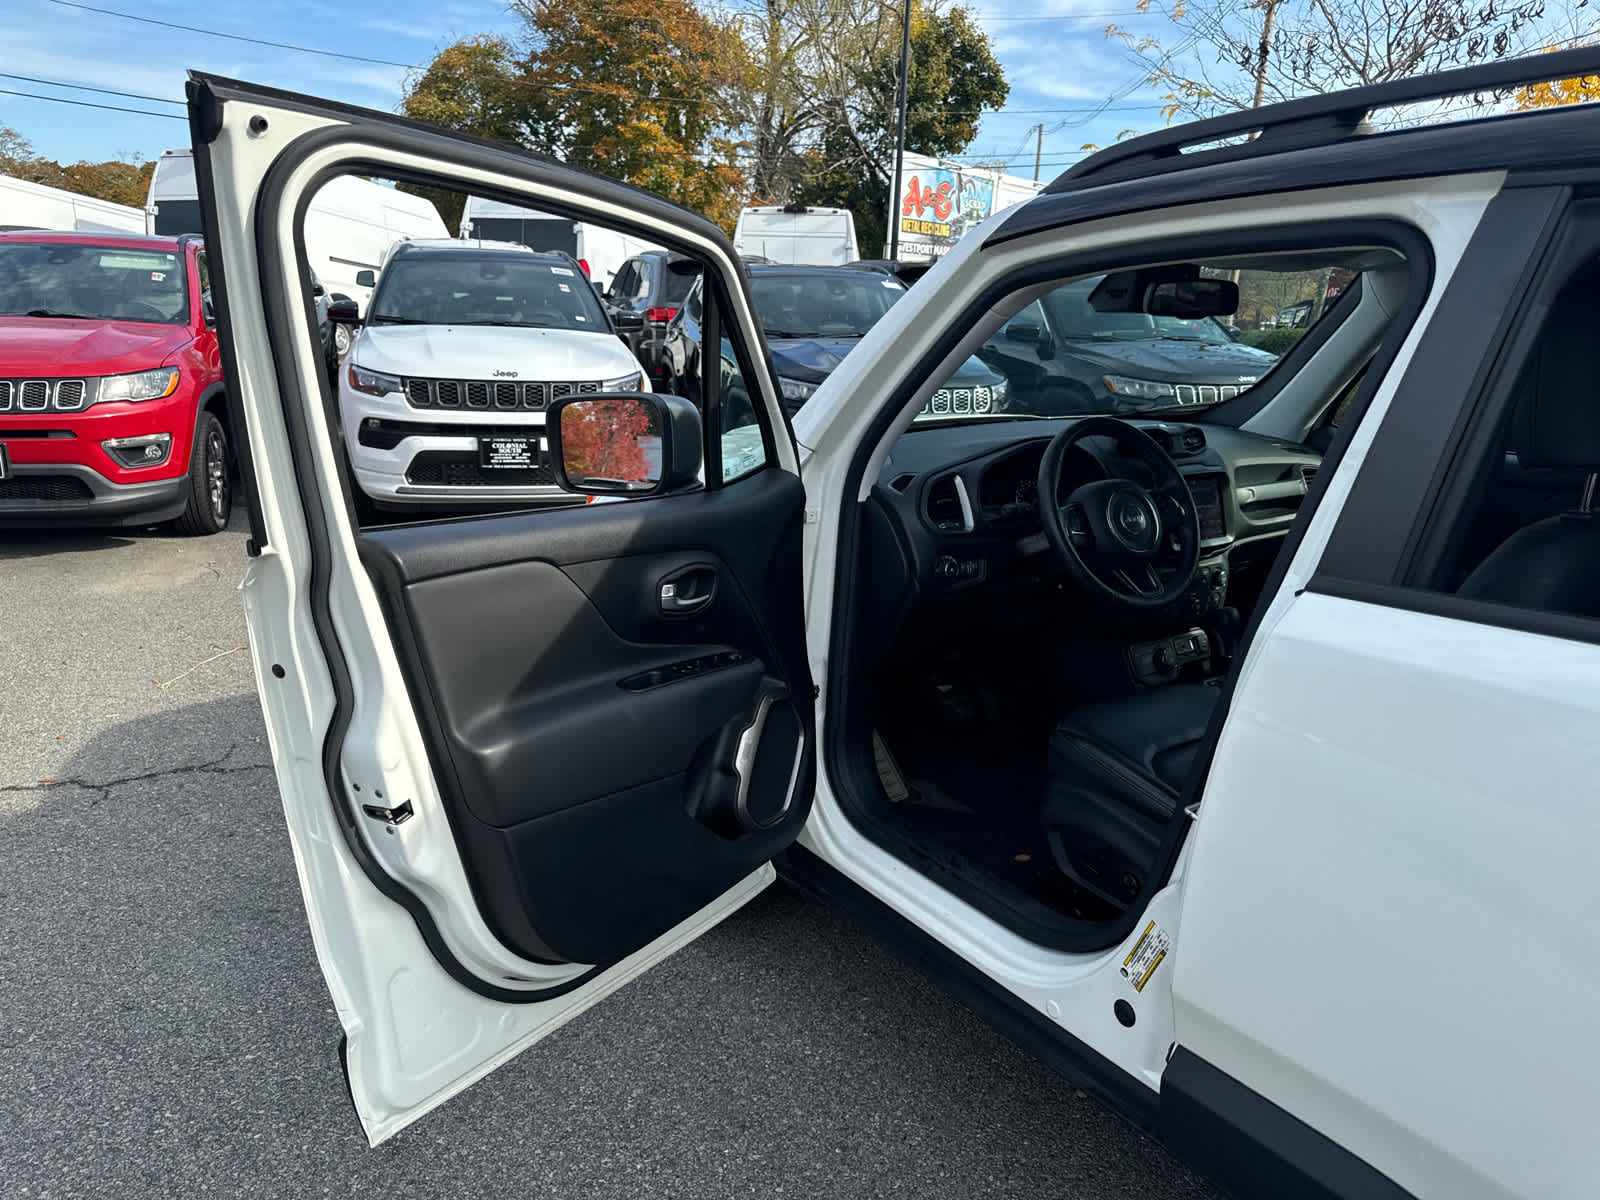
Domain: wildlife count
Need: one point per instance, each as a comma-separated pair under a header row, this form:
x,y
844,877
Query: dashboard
x,y
965,502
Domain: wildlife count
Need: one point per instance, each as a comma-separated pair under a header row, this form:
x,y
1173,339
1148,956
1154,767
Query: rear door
x,y
523,754
1384,986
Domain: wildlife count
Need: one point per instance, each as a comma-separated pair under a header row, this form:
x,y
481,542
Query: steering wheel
x,y
1135,546
155,313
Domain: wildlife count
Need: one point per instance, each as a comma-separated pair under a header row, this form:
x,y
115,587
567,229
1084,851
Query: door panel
x,y
584,739
517,768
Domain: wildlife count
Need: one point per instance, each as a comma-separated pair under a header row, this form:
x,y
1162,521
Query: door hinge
x,y
398,815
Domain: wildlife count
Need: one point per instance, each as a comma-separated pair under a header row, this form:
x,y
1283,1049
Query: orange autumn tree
x,y
606,440
636,90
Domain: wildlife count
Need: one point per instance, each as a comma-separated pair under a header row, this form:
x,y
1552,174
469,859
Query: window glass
x,y
114,283
743,450
1530,537
1066,354
484,287
203,273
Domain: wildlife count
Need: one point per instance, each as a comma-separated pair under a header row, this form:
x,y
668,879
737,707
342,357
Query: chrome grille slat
x,y
477,394
5,395
505,395
419,392
449,393
35,395
535,395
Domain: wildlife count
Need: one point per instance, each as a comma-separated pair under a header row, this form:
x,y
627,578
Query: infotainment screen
x,y
1207,493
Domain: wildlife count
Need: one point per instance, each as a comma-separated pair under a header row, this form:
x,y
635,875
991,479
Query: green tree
x,y
471,86
639,90
954,79
119,180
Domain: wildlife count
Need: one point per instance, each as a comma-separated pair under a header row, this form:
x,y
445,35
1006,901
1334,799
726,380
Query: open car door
x,y
524,754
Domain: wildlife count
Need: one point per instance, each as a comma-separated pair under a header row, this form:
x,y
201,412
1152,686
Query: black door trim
x,y
1243,1141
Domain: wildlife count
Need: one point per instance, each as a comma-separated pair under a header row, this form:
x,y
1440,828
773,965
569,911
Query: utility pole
x,y
1038,150
900,129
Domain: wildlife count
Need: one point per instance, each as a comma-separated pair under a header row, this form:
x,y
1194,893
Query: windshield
x,y
103,283
455,287
822,304
1077,319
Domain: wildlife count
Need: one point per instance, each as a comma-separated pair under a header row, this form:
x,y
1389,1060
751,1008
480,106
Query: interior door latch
x,y
687,591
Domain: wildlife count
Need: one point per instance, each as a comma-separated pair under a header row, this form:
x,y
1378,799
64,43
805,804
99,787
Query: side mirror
x,y
366,279
600,289
344,312
1024,331
627,320
627,443
208,308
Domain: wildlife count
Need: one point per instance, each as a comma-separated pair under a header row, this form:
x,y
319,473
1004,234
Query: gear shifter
x,y
1223,626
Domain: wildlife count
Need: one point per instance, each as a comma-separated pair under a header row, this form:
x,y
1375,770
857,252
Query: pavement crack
x,y
102,791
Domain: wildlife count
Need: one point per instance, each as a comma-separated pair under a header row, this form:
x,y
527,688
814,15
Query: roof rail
x,y
1315,120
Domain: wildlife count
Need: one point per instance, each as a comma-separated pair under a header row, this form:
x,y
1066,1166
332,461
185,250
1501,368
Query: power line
x,y
83,87
142,112
235,37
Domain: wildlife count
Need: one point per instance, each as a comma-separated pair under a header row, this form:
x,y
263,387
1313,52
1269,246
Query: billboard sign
x,y
939,202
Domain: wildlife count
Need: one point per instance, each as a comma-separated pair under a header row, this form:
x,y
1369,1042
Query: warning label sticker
x,y
1147,954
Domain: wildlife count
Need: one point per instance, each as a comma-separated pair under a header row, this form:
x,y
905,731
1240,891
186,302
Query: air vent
x,y
901,482
948,508
1192,440
1308,475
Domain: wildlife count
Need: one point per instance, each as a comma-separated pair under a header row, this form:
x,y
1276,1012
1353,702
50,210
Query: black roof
x,y
1533,141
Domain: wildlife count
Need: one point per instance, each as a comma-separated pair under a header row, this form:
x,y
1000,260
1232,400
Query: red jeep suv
x,y
111,397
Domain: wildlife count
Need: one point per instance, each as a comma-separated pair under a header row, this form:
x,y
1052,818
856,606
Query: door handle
x,y
688,591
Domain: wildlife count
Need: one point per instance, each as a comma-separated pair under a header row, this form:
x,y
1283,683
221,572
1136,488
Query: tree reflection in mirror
x,y
611,443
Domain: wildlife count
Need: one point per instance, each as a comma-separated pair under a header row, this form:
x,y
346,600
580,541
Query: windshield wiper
x,y
50,312
789,333
1186,337
383,320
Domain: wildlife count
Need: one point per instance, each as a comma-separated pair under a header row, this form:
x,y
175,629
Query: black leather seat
x,y
1554,565
1116,770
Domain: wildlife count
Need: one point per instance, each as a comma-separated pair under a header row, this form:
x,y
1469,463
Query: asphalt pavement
x,y
164,1030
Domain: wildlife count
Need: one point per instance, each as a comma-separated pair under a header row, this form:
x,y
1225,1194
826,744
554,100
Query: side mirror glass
x,y
631,444
344,312
366,279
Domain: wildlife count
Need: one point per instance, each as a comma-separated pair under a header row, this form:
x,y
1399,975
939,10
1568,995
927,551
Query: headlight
x,y
141,385
625,383
796,389
373,383
1140,389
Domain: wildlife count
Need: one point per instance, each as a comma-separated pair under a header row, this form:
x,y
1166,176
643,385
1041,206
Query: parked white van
x,y
600,251
797,236
28,205
350,224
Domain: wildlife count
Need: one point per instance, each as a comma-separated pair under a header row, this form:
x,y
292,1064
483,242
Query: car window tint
x,y
117,283
743,450
456,287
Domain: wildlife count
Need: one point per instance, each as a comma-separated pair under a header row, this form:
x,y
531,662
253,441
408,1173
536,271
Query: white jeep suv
x,y
442,396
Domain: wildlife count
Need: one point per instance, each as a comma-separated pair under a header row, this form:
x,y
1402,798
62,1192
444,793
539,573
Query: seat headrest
x,y
1556,419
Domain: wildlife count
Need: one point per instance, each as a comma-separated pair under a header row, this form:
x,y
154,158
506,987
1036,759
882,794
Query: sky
x,y
1057,59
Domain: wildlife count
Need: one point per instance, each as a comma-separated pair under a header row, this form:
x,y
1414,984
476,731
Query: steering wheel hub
x,y
1132,518
1131,538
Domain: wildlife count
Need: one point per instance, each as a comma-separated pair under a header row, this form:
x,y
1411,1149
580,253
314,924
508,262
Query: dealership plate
x,y
509,453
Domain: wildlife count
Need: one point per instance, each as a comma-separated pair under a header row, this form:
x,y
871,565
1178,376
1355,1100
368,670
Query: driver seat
x,y
1115,773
